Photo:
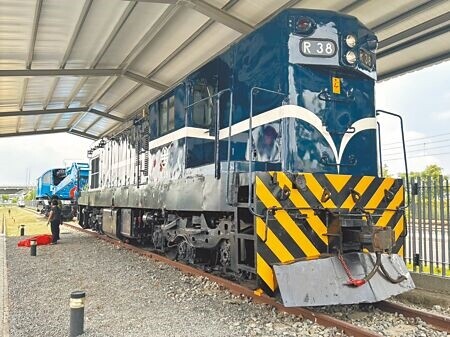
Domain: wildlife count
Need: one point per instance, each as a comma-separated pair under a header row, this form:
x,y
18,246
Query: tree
x,y
386,173
5,197
14,200
31,194
433,171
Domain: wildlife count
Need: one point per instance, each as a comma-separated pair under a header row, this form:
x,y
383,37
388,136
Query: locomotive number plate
x,y
318,47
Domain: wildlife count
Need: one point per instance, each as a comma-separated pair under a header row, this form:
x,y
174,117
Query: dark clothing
x,y
54,226
56,216
55,221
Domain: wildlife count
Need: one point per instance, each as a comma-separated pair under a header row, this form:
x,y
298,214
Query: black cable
x,y
401,278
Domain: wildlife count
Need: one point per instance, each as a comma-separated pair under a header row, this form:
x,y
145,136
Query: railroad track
x,y
439,322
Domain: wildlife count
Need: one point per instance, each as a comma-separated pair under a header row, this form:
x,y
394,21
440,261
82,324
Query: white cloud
x,y
38,154
444,115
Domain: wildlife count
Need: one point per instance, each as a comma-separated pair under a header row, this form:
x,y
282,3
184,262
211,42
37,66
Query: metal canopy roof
x,y
87,66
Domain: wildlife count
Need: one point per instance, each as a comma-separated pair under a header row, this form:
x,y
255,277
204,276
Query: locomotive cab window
x,y
166,115
203,108
95,172
163,117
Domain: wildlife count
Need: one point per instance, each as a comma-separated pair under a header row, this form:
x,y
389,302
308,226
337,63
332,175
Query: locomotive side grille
x,y
145,147
294,223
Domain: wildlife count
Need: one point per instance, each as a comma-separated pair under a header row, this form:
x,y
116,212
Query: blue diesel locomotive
x,y
263,164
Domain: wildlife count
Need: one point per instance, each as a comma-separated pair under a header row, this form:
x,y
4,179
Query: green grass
x,y
34,224
426,270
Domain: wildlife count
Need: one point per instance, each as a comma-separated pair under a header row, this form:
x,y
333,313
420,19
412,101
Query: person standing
x,y
54,219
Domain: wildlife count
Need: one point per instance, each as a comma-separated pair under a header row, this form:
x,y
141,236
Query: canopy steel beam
x,y
106,115
83,72
82,134
109,40
211,12
191,39
59,111
137,49
412,42
40,112
59,72
354,5
37,17
55,121
174,54
406,15
219,15
92,124
29,61
145,81
74,92
169,2
417,29
33,133
76,32
415,66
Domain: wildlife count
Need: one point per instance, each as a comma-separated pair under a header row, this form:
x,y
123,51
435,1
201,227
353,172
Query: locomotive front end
x,y
329,229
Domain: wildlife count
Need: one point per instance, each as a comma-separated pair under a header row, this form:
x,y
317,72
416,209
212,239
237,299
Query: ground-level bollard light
x,y
22,230
33,247
77,313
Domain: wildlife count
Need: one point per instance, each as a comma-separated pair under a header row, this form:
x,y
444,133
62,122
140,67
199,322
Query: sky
x,y
37,154
422,98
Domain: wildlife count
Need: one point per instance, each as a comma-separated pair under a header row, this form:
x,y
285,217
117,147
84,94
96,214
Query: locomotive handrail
x,y
217,129
254,91
404,153
219,93
379,148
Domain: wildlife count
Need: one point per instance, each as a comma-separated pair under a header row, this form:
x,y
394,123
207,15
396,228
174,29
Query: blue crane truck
x,y
63,184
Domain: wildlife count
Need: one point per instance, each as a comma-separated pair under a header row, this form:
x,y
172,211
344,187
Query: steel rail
x,y
437,321
237,289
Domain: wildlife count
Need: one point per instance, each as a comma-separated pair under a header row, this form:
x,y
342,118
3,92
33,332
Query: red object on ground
x,y
41,240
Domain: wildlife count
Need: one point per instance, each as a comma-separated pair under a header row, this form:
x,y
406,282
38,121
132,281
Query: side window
x,y
202,111
47,179
163,117
166,115
171,107
95,172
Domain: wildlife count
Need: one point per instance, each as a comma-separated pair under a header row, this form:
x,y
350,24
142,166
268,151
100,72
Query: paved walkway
x,y
3,288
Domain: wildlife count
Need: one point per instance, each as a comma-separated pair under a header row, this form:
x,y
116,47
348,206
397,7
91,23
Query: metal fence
x,y
31,203
428,218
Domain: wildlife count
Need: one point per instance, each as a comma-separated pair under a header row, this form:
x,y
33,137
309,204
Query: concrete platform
x,y
430,291
432,283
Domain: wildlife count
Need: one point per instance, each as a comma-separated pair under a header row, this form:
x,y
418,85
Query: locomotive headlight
x,y
350,57
350,40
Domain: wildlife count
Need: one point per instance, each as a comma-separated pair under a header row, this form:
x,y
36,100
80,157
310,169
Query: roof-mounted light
x,y
304,25
372,43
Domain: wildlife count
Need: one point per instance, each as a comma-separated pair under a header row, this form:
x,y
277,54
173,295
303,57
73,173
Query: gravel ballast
x,y
129,295
384,323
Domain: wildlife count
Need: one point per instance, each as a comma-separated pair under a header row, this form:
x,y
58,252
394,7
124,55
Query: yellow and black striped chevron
x,y
293,221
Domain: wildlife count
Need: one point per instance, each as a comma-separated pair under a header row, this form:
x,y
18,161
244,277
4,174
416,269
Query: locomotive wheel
x,y
225,253
185,252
